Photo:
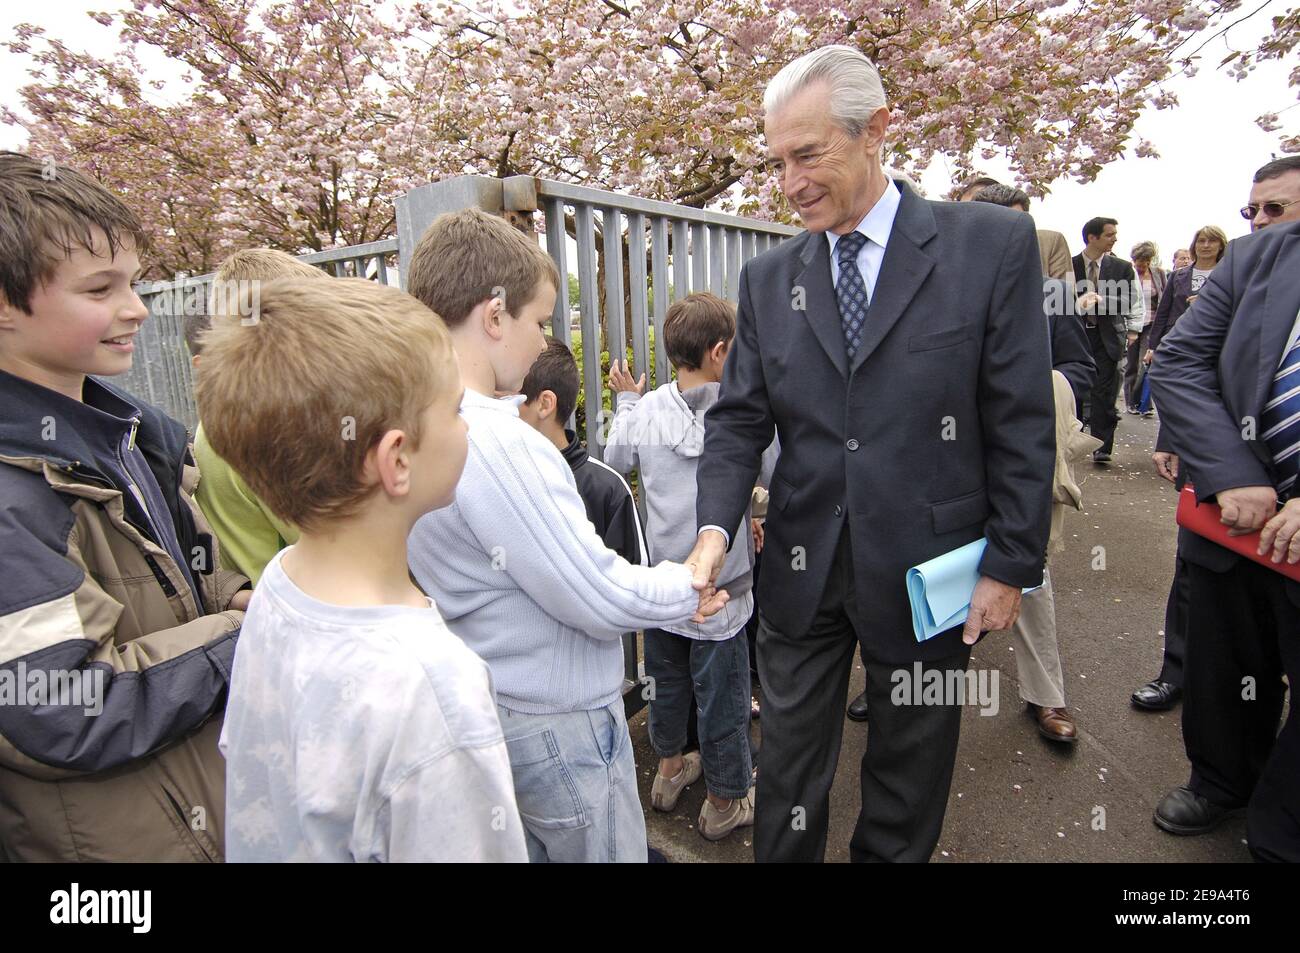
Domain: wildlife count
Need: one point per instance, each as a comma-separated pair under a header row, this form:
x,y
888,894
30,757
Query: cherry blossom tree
x,y
295,123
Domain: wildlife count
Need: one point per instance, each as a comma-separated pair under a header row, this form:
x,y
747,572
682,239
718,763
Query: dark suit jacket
x,y
1215,369
1173,302
1071,354
1112,314
940,432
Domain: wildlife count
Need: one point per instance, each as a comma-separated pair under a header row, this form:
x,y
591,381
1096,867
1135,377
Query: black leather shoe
x,y
1156,695
858,708
1100,456
1184,812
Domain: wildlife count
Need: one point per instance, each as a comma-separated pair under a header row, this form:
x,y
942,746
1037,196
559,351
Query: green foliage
x,y
606,397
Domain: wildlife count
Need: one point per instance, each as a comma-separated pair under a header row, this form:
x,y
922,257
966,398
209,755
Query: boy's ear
x,y
389,463
7,313
194,361
719,351
493,314
546,404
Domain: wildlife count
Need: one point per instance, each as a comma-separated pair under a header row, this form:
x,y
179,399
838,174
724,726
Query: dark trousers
x,y
906,770
1243,633
1171,670
712,679
1102,417
1133,364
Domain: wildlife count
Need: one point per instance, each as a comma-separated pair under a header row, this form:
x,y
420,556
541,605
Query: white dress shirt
x,y
875,226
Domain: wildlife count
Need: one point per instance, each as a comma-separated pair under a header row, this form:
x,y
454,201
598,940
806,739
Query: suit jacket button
x,y
853,443
839,510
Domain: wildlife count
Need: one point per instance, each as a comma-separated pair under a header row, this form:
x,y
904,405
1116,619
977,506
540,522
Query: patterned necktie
x,y
1281,419
851,291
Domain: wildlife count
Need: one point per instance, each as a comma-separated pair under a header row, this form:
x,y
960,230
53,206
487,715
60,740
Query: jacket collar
x,y
575,454
42,424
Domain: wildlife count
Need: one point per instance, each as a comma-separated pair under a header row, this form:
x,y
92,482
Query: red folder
x,y
1203,520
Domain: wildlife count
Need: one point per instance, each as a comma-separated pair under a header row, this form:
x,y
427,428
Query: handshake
x,y
705,562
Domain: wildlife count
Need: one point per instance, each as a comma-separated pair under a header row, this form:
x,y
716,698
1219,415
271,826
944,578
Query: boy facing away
x,y
249,533
359,728
518,569
550,395
117,629
661,436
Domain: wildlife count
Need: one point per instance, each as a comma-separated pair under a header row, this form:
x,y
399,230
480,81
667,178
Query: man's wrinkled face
x,y
825,173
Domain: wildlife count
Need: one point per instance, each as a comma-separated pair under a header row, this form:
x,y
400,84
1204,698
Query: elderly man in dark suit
x,y
898,349
1228,385
1111,306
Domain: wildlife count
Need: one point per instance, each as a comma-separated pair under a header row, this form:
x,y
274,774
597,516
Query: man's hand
x,y
1282,534
717,598
994,605
1247,508
1132,336
1149,356
1166,465
620,379
757,526
240,600
1089,300
705,562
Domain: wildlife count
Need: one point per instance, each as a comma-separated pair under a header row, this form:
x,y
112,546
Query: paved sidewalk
x,y
1015,796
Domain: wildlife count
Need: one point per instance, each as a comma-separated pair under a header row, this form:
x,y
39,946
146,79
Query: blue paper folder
x,y
940,589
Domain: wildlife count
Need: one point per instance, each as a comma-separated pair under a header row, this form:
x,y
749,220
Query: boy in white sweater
x,y
517,568
358,727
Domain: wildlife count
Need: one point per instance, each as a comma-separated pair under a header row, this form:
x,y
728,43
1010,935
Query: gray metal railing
x,y
688,249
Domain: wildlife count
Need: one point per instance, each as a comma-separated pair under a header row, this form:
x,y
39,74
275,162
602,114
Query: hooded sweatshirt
x,y
661,436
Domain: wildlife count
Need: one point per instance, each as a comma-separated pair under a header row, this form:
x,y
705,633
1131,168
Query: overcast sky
x,y
1209,145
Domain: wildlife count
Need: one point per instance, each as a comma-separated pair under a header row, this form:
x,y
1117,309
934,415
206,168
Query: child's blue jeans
x,y
575,783
718,674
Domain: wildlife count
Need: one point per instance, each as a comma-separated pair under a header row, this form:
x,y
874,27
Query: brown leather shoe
x,y
1055,724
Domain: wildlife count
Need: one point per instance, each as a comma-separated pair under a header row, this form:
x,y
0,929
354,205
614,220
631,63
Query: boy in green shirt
x,y
250,535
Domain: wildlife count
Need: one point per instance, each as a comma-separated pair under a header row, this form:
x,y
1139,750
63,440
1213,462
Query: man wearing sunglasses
x,y
1235,356
1275,196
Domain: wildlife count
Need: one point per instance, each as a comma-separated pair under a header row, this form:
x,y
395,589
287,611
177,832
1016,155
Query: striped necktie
x,y
1281,419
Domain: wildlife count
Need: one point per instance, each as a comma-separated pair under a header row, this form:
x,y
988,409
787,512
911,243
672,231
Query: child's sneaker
x,y
664,792
715,824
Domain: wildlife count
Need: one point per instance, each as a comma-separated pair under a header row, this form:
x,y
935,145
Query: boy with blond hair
x,y
358,728
111,587
250,534
518,569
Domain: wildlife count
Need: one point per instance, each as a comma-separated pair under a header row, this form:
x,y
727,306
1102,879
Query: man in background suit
x,y
1274,200
899,351
1113,314
1053,249
1228,386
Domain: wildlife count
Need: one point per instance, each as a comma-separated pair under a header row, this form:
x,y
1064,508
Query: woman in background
x,y
1146,261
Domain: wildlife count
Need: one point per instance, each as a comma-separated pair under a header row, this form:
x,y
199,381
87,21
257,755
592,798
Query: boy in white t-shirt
x,y
358,727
